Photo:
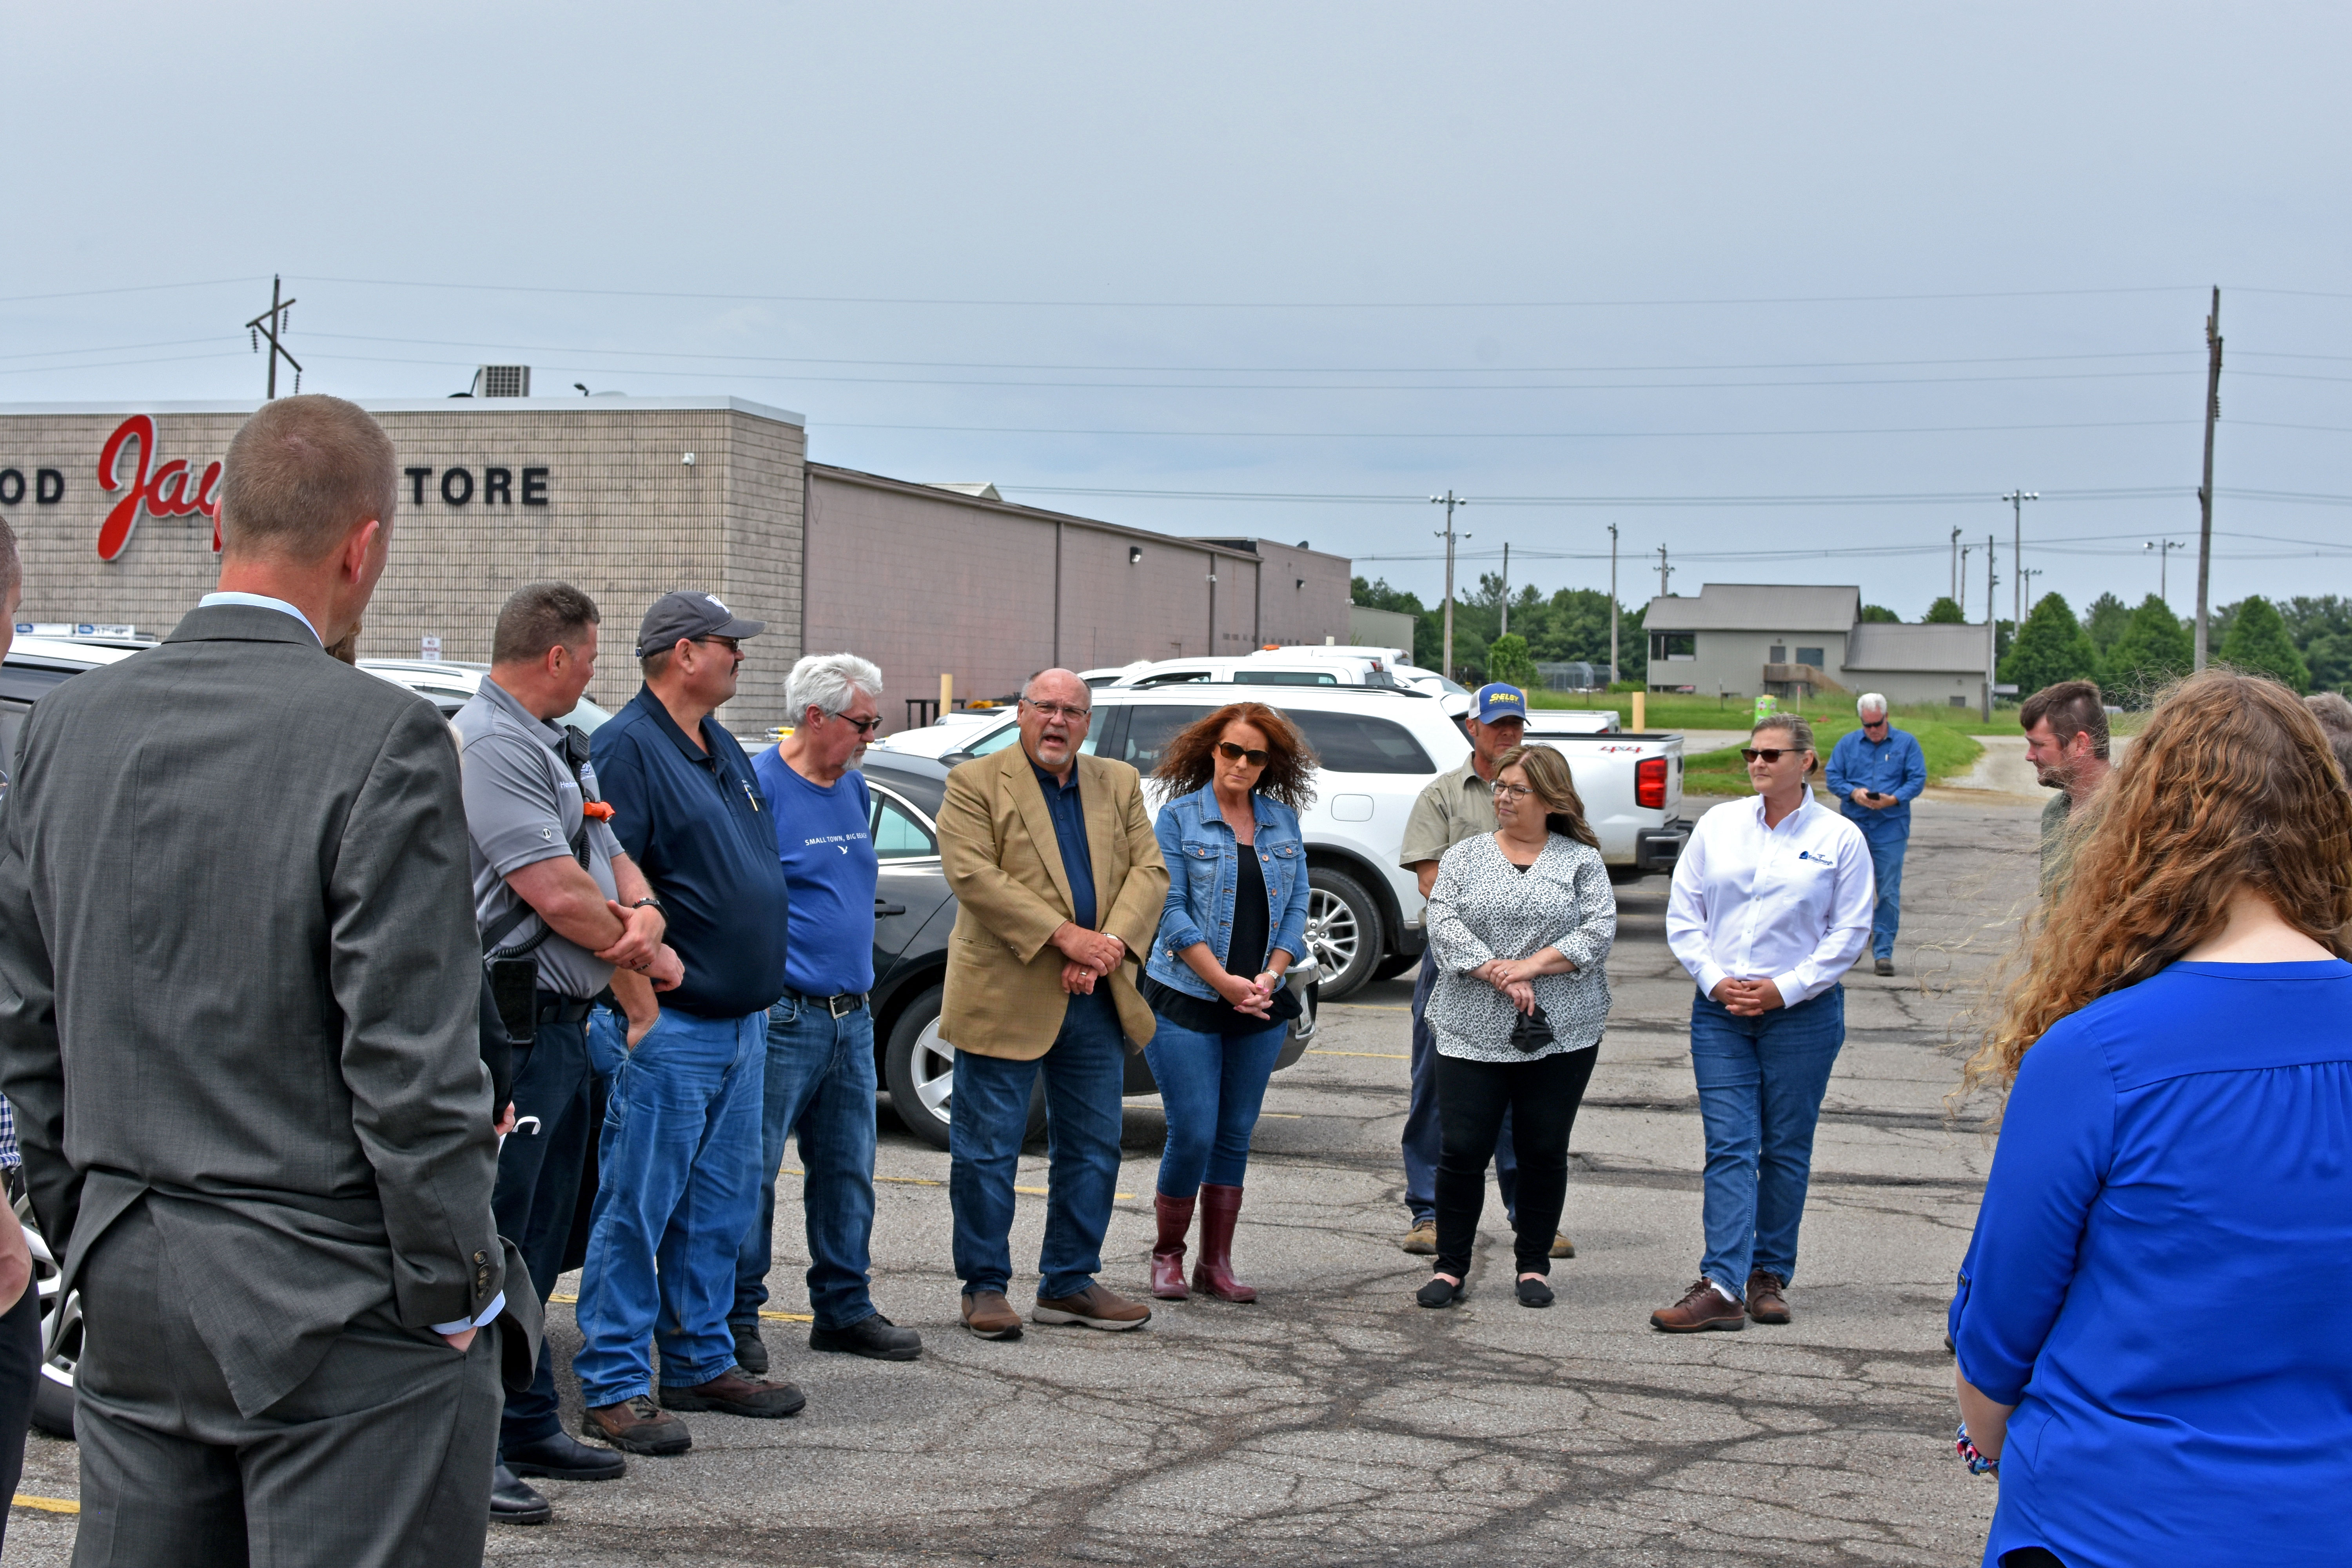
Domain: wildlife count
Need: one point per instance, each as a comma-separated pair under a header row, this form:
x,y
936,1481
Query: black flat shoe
x,y
560,1457
513,1501
1439,1293
1534,1293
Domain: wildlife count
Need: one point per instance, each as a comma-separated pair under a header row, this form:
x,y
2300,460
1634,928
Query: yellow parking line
x,y
780,1316
1371,1006
1384,1055
1285,1115
48,1504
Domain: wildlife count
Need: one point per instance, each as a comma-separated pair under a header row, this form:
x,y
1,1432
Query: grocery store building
x,y
631,497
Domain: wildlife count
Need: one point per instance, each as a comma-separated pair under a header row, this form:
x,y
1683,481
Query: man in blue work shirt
x,y
820,1074
1876,772
678,1161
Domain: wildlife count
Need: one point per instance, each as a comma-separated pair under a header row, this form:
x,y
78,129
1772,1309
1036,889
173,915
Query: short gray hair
x,y
830,683
1871,702
1799,734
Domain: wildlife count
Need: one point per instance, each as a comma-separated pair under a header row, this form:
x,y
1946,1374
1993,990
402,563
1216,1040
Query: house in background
x,y
1749,638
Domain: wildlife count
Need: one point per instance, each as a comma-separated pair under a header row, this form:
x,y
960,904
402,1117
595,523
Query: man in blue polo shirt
x,y
678,1161
820,1080
1876,772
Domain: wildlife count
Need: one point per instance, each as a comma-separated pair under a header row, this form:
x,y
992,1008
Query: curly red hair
x,y
1190,760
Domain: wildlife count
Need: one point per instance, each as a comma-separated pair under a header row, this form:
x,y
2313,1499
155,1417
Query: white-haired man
x,y
1876,772
820,1082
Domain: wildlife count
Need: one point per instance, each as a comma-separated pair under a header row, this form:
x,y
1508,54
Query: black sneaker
x,y
750,1353
876,1337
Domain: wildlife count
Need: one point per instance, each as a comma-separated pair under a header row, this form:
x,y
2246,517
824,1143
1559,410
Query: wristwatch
x,y
648,902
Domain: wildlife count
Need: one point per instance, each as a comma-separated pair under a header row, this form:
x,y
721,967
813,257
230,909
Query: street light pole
x,y
2164,550
1992,624
1449,500
2016,499
2205,491
1614,676
1957,554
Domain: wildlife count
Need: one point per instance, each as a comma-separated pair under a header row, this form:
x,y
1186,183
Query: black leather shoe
x,y
513,1503
877,1336
560,1457
751,1352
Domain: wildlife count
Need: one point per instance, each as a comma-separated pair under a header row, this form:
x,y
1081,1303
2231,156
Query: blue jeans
x,y
820,1084
677,1173
538,1184
1886,846
1086,1071
1211,1086
1761,1082
1423,1138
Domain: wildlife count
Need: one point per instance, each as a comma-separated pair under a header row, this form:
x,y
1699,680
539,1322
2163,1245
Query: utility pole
x,y
268,324
2016,499
2205,491
1449,500
1507,591
1992,625
2164,550
1664,570
1958,555
1614,677
2029,573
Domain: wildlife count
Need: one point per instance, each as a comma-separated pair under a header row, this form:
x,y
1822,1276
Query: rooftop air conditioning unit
x,y
502,380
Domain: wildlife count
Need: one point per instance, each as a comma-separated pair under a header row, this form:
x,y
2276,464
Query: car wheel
x,y
919,1069
53,1396
1394,965
1343,931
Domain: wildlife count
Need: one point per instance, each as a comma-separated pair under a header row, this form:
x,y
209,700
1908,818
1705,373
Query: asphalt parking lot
x,y
1333,1422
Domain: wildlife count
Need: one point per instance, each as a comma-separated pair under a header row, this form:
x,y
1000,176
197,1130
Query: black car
x,y
914,911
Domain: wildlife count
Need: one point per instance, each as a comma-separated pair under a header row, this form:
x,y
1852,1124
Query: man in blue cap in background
x,y
1876,772
1457,806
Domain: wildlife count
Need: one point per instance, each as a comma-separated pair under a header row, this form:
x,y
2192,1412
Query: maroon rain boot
x,y
1220,1206
1168,1252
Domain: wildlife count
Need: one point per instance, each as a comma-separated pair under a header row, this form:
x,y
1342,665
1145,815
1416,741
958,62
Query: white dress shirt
x,y
1790,904
261,602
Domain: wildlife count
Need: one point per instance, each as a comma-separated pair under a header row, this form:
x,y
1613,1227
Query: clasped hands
x,y
641,948
1514,977
1087,956
1747,998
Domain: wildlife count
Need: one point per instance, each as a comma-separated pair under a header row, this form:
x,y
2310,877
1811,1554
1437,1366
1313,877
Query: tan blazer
x,y
1004,996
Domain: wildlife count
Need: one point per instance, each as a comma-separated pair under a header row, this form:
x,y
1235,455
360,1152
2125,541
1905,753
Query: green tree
x,y
1880,613
2259,643
1429,625
1507,659
2105,621
2322,630
2155,647
1945,612
2053,647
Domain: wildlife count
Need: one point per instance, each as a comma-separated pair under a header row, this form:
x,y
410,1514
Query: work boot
x,y
874,1336
1421,1239
1884,966
1092,1308
732,1393
1706,1305
988,1315
1220,1207
751,1351
1168,1252
1766,1303
1560,1245
636,1425
514,1500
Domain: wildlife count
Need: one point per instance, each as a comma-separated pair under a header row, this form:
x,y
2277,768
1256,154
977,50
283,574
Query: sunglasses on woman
x,y
1764,754
1233,754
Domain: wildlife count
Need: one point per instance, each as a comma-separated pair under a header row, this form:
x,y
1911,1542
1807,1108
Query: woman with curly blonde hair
x,y
1234,784
2144,1306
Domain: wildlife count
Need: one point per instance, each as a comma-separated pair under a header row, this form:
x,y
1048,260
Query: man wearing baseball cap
x,y
1455,806
678,1174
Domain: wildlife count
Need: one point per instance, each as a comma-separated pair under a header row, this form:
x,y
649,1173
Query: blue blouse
x,y
2169,1215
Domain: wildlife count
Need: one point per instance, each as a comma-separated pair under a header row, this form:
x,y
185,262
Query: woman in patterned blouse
x,y
1521,920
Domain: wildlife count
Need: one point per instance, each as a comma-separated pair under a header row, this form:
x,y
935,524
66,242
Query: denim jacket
x,y
1201,875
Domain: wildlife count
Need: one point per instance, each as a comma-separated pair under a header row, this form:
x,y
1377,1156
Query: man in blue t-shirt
x,y
1876,772
820,1073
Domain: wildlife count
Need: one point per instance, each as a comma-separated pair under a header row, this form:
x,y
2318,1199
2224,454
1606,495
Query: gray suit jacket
x,y
239,976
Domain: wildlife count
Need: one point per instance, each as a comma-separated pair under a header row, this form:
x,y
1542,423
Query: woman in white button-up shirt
x,y
1770,906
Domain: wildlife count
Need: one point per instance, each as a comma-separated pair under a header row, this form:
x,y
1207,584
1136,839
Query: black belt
x,y
553,1008
838,1005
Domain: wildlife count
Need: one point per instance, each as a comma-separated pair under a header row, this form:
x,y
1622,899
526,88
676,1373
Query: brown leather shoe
x,y
636,1425
1560,1245
1766,1303
732,1393
988,1314
1704,1306
1093,1308
1421,1239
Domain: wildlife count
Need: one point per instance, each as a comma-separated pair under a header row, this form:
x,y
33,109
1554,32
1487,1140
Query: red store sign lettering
x,y
168,489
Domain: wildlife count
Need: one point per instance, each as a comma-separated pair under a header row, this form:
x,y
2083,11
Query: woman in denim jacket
x,y
1234,784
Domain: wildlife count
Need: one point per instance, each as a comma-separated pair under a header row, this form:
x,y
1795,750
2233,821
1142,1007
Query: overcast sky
x,y
1606,255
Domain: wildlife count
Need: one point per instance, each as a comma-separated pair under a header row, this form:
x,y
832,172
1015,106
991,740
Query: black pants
x,y
539,1189
20,1374
1541,1096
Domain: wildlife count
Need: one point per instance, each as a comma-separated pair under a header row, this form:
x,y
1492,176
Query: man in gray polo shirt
x,y
550,881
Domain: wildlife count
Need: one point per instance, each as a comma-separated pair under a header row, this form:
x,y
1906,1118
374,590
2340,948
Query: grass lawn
x,y
1945,733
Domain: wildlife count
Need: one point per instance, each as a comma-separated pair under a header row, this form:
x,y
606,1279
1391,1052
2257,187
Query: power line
x,y
1523,435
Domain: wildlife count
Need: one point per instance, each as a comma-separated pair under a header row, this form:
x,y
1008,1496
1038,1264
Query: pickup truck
x,y
1380,747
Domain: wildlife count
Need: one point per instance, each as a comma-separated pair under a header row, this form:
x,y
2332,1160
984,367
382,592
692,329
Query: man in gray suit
x,y
239,984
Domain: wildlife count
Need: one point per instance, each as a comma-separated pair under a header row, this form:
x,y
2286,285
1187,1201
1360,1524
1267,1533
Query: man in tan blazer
x,y
1060,883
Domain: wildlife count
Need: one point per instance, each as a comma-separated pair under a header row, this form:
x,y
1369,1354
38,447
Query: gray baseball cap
x,y
689,614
